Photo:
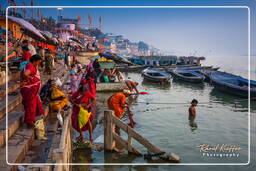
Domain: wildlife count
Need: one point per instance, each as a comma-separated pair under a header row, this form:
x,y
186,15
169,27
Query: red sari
x,y
92,87
79,97
30,94
26,56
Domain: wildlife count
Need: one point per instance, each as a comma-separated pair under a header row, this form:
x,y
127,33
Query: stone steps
x,y
39,151
13,85
14,117
18,146
13,76
19,137
14,122
15,100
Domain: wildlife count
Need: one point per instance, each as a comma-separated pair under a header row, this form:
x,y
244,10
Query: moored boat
x,y
207,72
154,75
170,69
233,84
188,75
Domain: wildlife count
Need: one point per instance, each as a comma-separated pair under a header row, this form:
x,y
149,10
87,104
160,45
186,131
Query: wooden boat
x,y
170,69
130,68
233,84
188,75
154,75
207,72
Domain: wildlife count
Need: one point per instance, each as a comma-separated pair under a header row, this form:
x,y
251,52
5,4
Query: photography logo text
x,y
219,150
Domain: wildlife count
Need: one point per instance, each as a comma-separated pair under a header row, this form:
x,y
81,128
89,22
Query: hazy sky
x,y
178,31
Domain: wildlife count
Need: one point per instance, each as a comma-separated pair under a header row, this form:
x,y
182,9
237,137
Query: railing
x,y
112,140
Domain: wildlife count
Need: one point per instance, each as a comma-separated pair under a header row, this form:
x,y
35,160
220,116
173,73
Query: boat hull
x,y
230,83
154,79
233,90
160,77
188,79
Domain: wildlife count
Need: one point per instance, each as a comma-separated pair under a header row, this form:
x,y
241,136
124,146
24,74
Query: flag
x,y
24,10
38,13
90,19
32,4
13,3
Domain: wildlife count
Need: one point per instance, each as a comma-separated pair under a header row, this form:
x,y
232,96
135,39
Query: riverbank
x,y
219,121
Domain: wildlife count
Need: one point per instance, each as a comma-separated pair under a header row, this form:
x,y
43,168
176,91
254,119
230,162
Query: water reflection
x,y
119,157
234,101
82,155
193,125
163,86
193,86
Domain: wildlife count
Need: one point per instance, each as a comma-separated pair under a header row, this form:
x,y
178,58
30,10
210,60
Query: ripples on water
x,y
220,119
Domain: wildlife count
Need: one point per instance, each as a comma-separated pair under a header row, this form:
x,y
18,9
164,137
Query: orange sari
x,y
115,103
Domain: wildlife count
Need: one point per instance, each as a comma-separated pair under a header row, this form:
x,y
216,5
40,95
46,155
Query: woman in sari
x,y
117,103
30,84
90,73
58,99
83,98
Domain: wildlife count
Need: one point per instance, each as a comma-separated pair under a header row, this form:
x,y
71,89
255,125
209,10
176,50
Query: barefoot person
x,y
132,85
117,103
30,84
83,98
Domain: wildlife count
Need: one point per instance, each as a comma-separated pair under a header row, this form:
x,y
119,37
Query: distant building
x,y
190,60
68,21
110,47
67,28
155,60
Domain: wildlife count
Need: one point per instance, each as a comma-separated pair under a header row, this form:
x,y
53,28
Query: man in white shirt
x,y
31,48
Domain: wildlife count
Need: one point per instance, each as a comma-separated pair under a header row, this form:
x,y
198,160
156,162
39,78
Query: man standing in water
x,y
192,110
192,114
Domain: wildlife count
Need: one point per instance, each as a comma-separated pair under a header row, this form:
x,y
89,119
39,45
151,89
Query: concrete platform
x,y
116,86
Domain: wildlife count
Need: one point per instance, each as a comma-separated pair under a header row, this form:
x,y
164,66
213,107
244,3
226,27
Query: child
x,y
192,110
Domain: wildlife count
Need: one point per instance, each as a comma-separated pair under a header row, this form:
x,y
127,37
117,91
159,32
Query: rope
x,y
172,103
210,102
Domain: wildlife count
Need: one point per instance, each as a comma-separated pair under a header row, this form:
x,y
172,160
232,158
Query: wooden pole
x,y
108,130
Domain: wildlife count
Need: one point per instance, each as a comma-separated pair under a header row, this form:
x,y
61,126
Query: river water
x,y
221,119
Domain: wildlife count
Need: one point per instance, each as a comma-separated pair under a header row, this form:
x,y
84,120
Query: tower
x,y
59,14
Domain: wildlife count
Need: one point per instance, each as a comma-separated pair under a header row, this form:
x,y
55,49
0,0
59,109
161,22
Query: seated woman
x,y
57,100
104,78
85,99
